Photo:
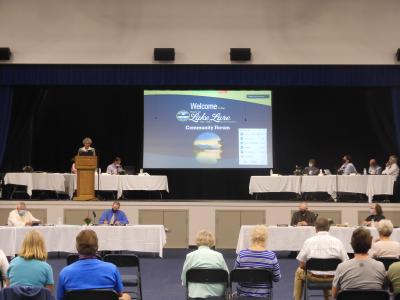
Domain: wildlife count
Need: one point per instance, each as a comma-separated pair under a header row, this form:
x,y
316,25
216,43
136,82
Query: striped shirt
x,y
249,259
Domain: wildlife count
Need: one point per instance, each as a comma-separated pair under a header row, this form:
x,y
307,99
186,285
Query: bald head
x,y
21,206
303,207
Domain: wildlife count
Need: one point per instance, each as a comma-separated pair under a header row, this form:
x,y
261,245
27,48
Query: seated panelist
x,y
21,217
115,168
311,169
303,217
114,216
87,149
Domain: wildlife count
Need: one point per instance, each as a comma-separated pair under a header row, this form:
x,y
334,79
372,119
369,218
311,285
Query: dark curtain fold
x,y
396,114
5,113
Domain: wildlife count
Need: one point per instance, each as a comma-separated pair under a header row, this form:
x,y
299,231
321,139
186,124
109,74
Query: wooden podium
x,y
86,168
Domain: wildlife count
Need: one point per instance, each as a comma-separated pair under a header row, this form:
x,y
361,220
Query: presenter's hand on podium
x,y
29,223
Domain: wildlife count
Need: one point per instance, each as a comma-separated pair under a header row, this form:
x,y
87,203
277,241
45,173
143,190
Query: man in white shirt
x,y
21,217
322,245
391,167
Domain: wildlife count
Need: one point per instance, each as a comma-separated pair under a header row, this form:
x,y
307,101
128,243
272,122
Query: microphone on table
x,y
94,216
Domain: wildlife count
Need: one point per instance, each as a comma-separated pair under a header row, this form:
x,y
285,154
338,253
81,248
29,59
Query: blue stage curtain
x,y
396,113
5,113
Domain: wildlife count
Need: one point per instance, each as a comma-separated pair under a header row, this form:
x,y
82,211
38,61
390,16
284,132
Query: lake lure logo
x,y
203,113
182,115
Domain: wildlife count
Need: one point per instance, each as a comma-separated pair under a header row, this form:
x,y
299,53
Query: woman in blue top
x,y
258,257
30,267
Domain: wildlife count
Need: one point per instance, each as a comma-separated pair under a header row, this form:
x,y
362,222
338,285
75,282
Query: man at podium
x,y
87,150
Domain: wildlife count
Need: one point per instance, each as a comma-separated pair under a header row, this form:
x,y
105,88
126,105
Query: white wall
x,y
202,31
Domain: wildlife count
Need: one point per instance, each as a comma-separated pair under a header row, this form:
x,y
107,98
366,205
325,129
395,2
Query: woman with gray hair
x,y
205,258
87,149
384,247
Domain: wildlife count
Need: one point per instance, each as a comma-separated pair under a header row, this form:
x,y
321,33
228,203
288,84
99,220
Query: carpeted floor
x,y
161,277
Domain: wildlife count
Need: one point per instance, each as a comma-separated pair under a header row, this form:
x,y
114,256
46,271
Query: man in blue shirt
x,y
114,216
89,272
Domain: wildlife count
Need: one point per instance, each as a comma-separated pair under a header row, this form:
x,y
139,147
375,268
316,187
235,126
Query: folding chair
x,y
250,276
387,261
95,294
134,281
319,264
363,295
71,258
208,276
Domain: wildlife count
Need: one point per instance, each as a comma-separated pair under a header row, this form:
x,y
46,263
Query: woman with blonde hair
x,y
30,267
258,257
205,258
384,246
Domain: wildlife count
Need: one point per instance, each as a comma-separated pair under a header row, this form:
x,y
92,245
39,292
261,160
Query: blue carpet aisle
x,y
161,277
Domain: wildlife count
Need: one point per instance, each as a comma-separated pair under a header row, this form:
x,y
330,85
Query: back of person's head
x,y
393,158
33,246
259,234
361,240
205,238
322,224
87,242
385,228
378,210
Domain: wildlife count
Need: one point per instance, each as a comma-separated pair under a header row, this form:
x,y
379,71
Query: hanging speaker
x,y
240,54
164,54
5,53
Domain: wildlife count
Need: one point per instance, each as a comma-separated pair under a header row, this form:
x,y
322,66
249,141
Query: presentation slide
x,y
207,129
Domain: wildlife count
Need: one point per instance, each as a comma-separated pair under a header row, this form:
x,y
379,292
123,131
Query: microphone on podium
x,y
94,217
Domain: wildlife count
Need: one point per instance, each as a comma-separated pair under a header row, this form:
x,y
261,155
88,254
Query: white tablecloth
x,y
268,184
67,182
141,238
292,238
319,184
37,181
369,185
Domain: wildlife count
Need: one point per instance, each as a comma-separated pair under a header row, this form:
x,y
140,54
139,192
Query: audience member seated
x,y
3,265
361,272
30,267
89,272
324,246
347,167
393,275
375,216
206,258
21,217
258,257
384,247
303,217
114,216
374,168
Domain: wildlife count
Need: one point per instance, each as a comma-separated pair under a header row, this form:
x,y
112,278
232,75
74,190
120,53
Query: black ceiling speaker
x,y
164,54
398,54
240,54
5,53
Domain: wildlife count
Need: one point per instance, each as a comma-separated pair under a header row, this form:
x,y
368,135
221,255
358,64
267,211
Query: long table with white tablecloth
x,y
292,238
369,185
61,238
67,182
